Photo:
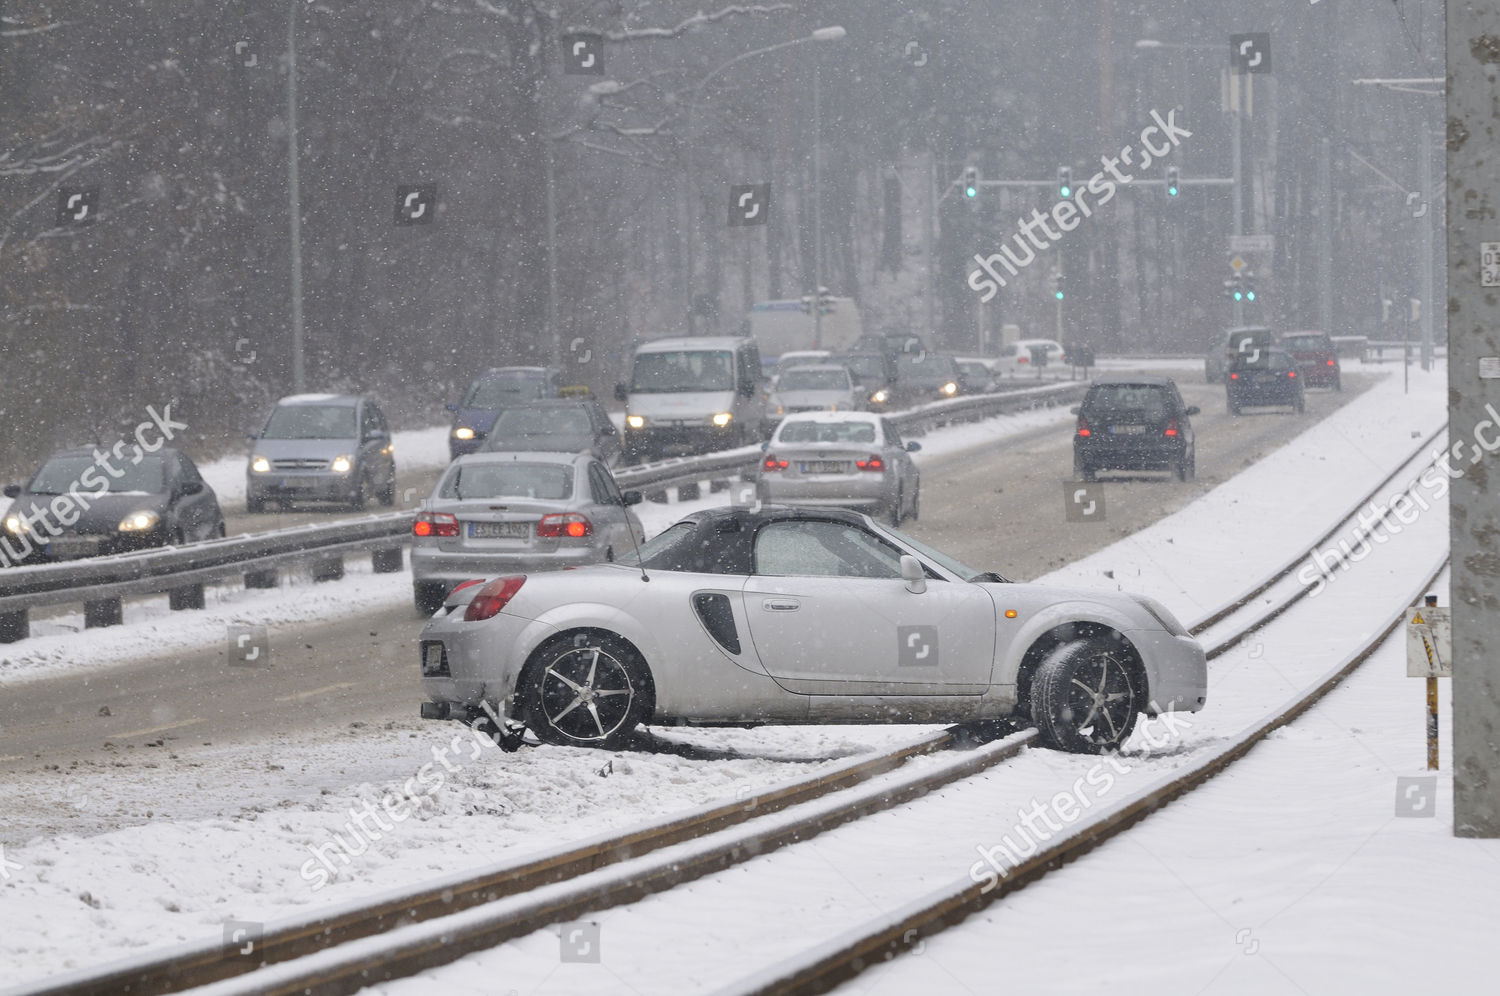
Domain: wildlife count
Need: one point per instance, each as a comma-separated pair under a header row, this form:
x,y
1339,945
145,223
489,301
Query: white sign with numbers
x,y
1489,264
1429,642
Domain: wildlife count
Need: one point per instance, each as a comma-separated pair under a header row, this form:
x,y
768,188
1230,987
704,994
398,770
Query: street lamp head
x,y
833,33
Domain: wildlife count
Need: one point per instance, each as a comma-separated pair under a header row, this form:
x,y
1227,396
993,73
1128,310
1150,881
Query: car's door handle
x,y
781,605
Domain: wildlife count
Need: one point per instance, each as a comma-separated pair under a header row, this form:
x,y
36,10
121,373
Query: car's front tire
x,y
255,506
896,508
387,494
586,689
1085,696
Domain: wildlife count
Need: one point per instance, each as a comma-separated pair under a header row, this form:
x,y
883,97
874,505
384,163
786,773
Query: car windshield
x,y
1305,343
864,366
976,370
497,392
543,481
813,380
311,422
1148,398
61,475
808,431
683,370
658,552
541,422
943,560
923,365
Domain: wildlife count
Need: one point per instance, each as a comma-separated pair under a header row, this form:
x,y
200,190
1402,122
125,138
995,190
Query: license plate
x,y
73,547
825,467
432,659
499,530
1128,430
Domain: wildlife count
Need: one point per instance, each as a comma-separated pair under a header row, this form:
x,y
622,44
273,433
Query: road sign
x,y
1236,264
1489,264
1429,642
1252,243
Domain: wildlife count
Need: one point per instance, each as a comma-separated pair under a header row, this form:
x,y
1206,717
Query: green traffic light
x,y
1238,296
1065,191
1172,190
971,191
1059,295
1250,295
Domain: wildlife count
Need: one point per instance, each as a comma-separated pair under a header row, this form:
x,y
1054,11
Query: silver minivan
x,y
692,395
321,447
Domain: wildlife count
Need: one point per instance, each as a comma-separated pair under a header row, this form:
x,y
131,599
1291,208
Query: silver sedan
x,y
797,615
841,459
497,512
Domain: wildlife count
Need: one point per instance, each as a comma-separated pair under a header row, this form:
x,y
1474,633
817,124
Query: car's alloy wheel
x,y
1084,697
585,690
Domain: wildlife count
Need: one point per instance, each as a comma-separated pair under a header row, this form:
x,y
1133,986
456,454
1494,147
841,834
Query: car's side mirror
x,y
622,393
913,447
12,491
1075,410
1191,410
451,407
631,498
913,574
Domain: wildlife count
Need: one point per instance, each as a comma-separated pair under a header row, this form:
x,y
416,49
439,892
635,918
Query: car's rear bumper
x,y
1118,454
844,492
434,565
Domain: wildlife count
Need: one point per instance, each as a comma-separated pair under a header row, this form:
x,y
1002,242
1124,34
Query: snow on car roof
x,y
832,417
302,399
692,342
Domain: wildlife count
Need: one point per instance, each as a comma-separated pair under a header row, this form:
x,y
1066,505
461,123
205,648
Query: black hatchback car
x,y
86,503
1133,422
556,425
1273,380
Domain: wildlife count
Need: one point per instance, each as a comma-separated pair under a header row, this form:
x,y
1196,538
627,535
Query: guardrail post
x,y
386,561
687,492
102,612
262,579
328,569
186,597
14,626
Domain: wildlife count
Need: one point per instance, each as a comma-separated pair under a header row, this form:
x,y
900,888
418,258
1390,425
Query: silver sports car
x,y
739,616
497,512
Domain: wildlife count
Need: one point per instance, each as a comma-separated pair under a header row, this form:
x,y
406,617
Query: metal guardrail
x,y
180,572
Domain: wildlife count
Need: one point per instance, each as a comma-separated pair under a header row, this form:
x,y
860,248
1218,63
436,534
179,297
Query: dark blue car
x,y
497,388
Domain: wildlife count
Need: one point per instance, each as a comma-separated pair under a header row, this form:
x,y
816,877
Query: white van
x,y
692,395
783,326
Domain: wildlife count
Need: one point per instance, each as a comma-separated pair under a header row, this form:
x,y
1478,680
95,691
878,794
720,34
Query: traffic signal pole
x,y
1235,83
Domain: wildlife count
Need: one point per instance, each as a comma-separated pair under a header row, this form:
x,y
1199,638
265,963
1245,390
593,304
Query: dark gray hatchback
x,y
1133,422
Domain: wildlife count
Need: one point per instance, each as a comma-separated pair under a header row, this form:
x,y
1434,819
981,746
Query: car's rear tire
x,y
1338,382
586,689
1179,468
428,596
1300,405
1085,696
1234,407
895,509
387,494
916,502
255,506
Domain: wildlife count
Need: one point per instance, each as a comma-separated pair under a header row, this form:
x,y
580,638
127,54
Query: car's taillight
x,y
465,584
569,524
872,462
435,524
1234,376
1023,359
1291,373
1330,361
771,463
493,597
1083,427
1171,428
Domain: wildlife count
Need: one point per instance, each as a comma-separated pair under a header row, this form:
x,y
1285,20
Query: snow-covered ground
x,y
223,849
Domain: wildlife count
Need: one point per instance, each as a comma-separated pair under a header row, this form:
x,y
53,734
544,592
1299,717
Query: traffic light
x,y
971,181
1248,279
1233,290
1173,185
1057,281
825,302
1065,181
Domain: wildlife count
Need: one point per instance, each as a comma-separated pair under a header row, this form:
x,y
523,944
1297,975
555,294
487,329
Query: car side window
x,y
892,437
820,548
367,422
605,492
186,472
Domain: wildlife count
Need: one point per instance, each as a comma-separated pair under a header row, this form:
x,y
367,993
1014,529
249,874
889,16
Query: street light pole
x,y
299,373
817,302
830,33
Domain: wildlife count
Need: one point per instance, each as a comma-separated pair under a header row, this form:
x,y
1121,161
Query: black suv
x,y
1132,422
1271,379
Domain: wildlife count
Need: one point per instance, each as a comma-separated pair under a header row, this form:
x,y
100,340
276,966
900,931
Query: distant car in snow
x,y
322,447
808,388
1134,422
1271,381
794,615
844,460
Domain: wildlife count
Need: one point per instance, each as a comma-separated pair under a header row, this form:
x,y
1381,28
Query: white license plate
x,y
825,467
432,659
73,547
1128,430
499,530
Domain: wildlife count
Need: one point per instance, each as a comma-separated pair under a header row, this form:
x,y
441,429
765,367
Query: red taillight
x,y
873,462
1330,362
435,524
493,597
569,524
1234,376
771,463
1083,427
1023,359
1171,428
1291,373
465,584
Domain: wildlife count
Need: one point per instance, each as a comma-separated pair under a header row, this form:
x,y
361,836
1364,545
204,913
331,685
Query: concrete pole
x,y
1236,86
1473,195
294,195
930,248
817,207
554,333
